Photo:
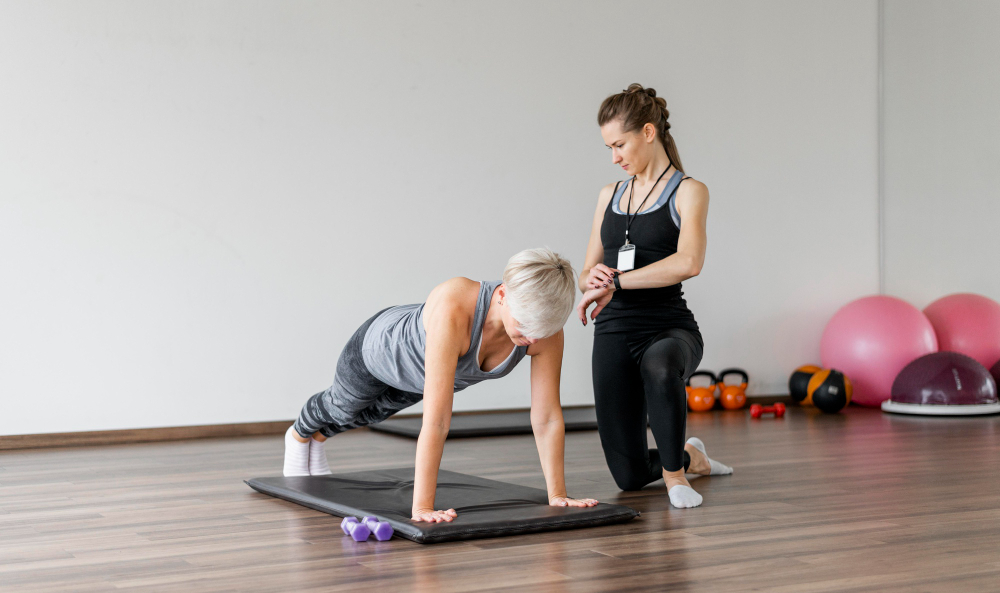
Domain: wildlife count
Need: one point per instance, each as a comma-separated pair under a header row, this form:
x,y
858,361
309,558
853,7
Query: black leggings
x,y
636,374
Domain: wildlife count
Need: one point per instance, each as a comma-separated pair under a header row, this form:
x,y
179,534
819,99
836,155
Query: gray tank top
x,y
395,342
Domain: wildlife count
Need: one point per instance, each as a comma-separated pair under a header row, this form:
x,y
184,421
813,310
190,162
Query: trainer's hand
x,y
565,501
600,296
432,516
601,276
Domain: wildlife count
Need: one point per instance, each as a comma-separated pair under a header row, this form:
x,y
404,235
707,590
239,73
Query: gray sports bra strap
x,y
614,194
675,215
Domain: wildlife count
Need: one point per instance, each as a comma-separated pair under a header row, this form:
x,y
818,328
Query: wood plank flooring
x,y
859,501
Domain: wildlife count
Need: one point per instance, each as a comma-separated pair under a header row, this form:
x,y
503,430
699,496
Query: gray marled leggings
x,y
356,398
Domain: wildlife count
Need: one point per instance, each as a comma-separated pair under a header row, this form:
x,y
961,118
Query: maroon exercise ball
x,y
995,371
943,383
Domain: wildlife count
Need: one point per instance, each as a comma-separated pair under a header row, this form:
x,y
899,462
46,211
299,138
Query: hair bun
x,y
636,88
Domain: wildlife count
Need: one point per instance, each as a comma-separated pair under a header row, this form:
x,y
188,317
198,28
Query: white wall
x,y
942,146
199,202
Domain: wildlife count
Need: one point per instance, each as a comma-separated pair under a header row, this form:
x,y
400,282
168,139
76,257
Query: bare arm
x,y
445,340
547,419
692,204
594,271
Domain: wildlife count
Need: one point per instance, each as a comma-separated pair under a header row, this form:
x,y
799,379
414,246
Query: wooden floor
x,y
859,501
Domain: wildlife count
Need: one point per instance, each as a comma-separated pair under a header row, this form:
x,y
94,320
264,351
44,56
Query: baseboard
x,y
142,435
769,399
209,431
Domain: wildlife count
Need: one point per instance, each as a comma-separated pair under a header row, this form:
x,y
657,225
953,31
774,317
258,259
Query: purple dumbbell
x,y
359,532
380,529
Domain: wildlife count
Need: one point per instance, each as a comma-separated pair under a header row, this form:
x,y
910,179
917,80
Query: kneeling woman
x,y
646,340
427,352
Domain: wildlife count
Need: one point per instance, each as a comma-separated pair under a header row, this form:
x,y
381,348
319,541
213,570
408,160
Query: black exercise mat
x,y
489,425
486,508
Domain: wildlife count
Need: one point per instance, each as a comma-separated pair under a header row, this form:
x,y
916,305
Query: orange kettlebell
x,y
701,399
733,397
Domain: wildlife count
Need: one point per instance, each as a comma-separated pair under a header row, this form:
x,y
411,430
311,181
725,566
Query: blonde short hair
x,y
541,287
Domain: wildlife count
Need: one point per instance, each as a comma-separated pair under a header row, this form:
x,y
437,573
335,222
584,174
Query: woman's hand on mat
x,y
600,296
432,516
565,501
601,276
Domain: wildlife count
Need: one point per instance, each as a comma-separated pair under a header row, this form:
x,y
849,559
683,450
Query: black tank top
x,y
655,236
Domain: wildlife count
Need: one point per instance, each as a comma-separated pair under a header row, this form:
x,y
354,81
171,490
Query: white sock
x,y
318,465
684,497
296,455
718,469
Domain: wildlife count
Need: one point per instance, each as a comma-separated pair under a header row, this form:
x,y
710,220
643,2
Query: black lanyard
x,y
629,219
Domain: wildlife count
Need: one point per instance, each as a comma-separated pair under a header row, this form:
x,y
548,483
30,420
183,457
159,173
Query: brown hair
x,y
634,108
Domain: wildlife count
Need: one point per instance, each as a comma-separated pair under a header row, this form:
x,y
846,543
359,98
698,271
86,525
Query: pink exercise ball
x,y
968,324
871,339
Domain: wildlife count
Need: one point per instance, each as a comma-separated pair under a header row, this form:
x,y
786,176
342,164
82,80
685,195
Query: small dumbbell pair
x,y
778,409
359,531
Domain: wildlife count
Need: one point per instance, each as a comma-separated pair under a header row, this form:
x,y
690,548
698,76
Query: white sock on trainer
x,y
684,497
296,455
718,469
318,465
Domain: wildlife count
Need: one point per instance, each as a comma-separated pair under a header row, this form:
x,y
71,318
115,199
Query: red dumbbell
x,y
778,409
